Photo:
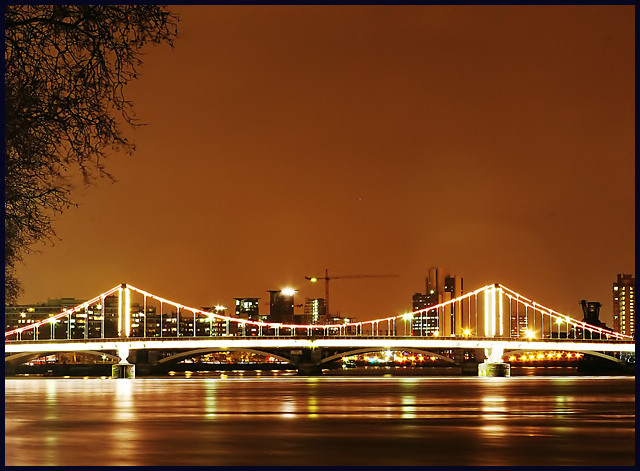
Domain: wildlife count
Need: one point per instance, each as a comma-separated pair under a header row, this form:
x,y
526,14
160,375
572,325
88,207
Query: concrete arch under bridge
x,y
203,351
302,359
305,360
361,351
11,361
288,358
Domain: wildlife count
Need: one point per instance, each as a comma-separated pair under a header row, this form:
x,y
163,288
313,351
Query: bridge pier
x,y
493,365
494,369
308,369
146,362
123,369
307,361
470,366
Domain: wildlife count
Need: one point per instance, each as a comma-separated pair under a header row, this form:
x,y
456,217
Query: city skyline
x,y
439,288
494,142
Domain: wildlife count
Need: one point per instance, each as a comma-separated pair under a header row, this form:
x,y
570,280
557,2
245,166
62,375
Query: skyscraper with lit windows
x,y
624,302
246,308
443,321
315,310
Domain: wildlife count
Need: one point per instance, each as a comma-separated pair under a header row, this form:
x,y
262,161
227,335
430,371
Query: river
x,y
275,419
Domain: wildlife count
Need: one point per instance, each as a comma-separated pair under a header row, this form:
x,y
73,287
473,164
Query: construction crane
x,y
326,278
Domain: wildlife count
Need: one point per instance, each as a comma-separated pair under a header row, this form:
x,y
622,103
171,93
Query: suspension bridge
x,y
479,327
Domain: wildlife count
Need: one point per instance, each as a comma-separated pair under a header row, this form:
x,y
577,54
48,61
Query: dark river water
x,y
224,420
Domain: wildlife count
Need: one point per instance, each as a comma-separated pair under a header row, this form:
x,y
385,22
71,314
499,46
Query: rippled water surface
x,y
320,421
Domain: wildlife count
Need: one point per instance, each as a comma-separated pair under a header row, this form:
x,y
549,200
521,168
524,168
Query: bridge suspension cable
x,y
493,318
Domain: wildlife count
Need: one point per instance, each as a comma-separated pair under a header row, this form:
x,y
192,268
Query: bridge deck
x,y
383,342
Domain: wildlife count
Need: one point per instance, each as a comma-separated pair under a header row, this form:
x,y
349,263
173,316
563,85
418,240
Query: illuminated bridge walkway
x,y
479,327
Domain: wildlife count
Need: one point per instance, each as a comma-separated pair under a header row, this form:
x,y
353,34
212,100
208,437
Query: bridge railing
x,y
559,341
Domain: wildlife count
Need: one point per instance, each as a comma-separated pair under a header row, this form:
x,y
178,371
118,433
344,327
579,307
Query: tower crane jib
x,y
326,279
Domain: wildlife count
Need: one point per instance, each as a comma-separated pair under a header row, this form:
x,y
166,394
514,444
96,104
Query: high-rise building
x,y
624,302
143,324
425,324
519,322
213,326
315,310
445,321
281,306
247,308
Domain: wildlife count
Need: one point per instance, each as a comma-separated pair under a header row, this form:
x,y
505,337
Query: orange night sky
x,y
495,142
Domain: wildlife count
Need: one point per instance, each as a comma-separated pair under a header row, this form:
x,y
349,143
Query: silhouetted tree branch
x,y
66,68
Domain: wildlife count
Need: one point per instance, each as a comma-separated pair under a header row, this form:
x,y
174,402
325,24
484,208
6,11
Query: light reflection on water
x,y
290,420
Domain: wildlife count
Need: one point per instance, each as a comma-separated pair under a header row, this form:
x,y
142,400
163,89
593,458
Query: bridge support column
x,y
145,361
309,369
469,367
123,369
493,365
307,361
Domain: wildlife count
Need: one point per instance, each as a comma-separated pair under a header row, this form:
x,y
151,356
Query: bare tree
x,y
66,68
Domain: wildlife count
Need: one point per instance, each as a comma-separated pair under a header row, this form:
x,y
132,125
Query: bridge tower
x,y
493,312
124,311
123,369
494,327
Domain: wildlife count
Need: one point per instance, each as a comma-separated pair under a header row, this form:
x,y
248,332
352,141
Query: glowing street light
x,y
466,332
529,334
